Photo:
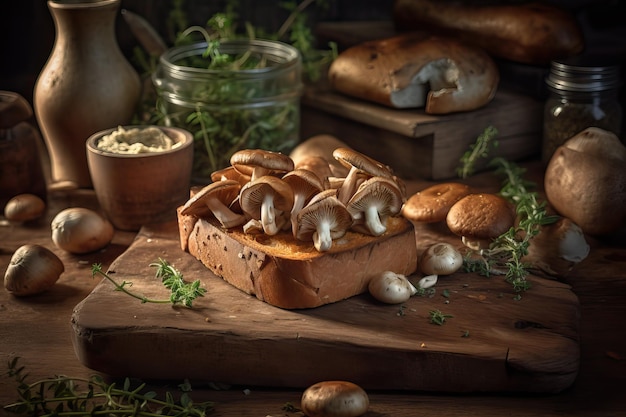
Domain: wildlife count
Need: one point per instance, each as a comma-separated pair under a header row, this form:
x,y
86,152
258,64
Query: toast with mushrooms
x,y
285,235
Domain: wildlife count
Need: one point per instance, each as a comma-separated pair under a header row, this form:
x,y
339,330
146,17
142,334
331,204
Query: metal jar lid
x,y
584,74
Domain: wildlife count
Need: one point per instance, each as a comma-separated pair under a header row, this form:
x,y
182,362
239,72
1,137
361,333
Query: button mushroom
x,y
324,219
374,201
214,199
257,162
440,259
480,218
391,288
267,198
432,204
357,163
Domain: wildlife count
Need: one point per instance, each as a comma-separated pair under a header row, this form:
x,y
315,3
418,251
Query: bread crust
x,y
291,274
391,72
530,33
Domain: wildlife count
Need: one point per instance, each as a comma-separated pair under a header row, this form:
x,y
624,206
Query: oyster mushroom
x,y
214,199
373,202
304,184
257,162
357,163
323,220
267,198
480,218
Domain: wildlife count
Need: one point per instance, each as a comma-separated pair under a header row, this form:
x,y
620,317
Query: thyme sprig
x,y
505,254
68,396
437,317
182,292
484,144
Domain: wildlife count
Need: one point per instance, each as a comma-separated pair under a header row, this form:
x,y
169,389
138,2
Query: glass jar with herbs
x,y
583,92
243,94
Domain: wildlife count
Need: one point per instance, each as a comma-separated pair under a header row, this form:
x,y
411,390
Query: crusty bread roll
x,y
530,33
292,274
414,70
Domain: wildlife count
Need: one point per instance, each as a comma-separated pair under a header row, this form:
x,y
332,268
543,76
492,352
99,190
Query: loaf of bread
x,y
415,70
292,274
529,33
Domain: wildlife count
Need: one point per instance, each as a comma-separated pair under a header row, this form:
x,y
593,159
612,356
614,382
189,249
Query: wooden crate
x,y
418,145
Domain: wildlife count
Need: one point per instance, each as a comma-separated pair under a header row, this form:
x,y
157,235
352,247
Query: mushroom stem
x,y
268,216
223,214
348,186
373,222
322,239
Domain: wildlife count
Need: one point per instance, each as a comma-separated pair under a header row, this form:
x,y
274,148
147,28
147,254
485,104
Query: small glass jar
x,y
228,110
581,95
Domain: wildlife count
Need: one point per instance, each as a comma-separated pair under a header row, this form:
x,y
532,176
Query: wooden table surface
x,y
37,329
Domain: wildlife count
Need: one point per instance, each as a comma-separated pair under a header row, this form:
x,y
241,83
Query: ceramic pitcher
x,y
85,86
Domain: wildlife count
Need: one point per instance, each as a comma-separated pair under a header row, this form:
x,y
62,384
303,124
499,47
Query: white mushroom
x,y
440,259
391,288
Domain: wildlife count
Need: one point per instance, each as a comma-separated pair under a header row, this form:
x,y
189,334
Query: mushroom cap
x,y
354,159
382,192
316,164
480,216
323,206
253,193
230,173
304,182
433,203
334,398
259,162
225,191
585,181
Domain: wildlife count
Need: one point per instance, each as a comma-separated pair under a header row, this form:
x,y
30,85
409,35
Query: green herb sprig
x,y
437,317
62,396
483,146
182,292
505,254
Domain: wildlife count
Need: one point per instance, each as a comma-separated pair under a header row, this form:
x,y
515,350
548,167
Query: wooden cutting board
x,y
491,342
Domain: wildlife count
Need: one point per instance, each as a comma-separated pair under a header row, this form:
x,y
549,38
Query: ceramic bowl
x,y
145,188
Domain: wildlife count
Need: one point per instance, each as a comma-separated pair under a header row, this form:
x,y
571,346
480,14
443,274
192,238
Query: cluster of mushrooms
x,y
266,192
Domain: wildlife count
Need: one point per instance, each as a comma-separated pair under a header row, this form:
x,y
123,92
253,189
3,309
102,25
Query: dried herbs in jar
x,y
583,92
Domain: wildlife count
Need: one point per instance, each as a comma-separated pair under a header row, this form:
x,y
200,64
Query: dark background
x,y
27,31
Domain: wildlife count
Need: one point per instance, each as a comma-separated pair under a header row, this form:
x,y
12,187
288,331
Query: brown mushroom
x,y
214,199
585,181
432,204
304,184
323,220
373,202
480,218
357,163
321,146
230,173
267,198
317,165
258,162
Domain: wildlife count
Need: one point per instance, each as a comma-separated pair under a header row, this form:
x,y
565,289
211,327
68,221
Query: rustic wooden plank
x,y
529,345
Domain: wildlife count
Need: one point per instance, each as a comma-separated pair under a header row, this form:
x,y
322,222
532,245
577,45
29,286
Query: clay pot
x,y
138,189
86,85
